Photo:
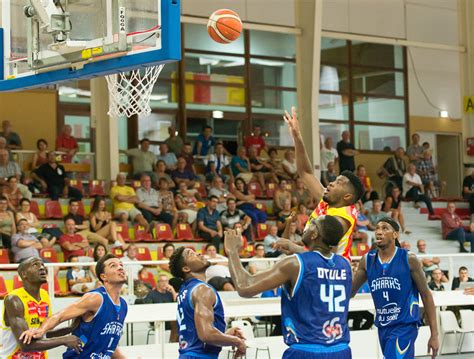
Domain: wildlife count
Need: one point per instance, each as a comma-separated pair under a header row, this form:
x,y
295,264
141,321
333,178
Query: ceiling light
x,y
444,114
217,114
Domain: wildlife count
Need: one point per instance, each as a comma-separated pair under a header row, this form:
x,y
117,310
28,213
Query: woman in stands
x,y
99,251
168,250
281,195
33,223
283,215
7,223
246,202
14,192
102,224
40,156
393,206
186,202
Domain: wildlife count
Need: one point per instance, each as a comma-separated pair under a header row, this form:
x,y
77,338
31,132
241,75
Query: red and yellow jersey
x,y
349,213
35,314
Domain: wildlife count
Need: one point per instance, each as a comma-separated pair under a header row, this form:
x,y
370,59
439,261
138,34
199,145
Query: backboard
x,y
49,41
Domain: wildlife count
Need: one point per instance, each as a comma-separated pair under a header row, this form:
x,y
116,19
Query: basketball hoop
x,y
130,92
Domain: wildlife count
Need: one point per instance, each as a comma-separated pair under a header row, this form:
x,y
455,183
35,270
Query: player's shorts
x,y
316,351
398,342
198,356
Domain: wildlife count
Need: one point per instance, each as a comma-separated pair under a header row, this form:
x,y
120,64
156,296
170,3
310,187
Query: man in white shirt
x,y
218,275
259,266
268,242
328,154
413,189
131,256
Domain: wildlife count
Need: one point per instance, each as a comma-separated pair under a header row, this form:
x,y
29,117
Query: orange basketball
x,y
224,26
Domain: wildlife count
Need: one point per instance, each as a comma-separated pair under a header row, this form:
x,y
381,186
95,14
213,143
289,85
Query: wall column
x,y
106,130
308,16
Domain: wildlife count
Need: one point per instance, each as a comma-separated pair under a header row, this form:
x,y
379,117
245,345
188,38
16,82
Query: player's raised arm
x,y
419,278
248,285
303,164
204,299
360,277
15,317
89,303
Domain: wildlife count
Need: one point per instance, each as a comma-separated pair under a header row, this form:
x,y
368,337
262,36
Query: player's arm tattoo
x,y
360,276
204,299
14,317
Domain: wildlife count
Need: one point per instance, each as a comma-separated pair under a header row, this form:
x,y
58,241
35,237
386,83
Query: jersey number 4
x,y
334,295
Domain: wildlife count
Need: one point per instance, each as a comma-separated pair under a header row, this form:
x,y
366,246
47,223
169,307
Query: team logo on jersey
x,y
332,330
401,352
290,328
40,309
414,301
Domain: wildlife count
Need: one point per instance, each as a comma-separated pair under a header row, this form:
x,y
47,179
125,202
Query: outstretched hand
x,y
292,122
232,241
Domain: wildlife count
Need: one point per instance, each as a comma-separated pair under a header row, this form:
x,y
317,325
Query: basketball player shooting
x,y
316,288
336,200
396,280
100,312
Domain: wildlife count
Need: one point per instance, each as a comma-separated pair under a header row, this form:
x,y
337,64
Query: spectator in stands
x,y
362,231
101,223
289,164
187,154
4,146
246,202
211,253
8,168
468,190
233,215
415,150
426,146
216,162
328,154
168,157
405,245
160,173
330,175
131,256
13,139
143,160
429,264
209,223
164,269
436,284
281,195
99,252
14,192
268,242
413,188
219,190
293,233
186,202
346,152
256,139
427,171
452,228
463,278
149,203
301,195
283,215
166,202
82,225
41,155
33,224
218,276
174,142
394,168
180,174
66,142
369,194
256,267
25,245
277,165
240,165
72,243
78,279
302,217
393,206
162,293
52,178
124,199
204,142
376,213
263,171
7,223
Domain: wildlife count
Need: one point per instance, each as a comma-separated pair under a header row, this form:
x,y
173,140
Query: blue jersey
x,y
189,342
101,335
393,290
315,312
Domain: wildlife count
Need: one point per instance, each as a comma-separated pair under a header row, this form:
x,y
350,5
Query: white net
x,y
130,92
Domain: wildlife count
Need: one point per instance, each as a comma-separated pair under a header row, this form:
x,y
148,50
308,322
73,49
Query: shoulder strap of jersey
x,y
198,284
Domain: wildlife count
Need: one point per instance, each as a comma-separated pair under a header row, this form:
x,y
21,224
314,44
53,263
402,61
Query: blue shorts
x,y
303,351
198,356
398,342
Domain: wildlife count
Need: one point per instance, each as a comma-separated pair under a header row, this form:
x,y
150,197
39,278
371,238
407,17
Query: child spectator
x,y
78,280
330,175
369,194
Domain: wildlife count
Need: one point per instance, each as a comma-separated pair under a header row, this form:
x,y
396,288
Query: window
x,y
362,89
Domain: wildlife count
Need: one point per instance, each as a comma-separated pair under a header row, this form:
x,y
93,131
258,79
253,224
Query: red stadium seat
x,y
17,282
362,248
81,210
254,188
141,234
270,191
117,251
49,254
53,210
163,232
201,188
261,206
159,253
122,228
144,254
77,185
96,188
4,256
184,232
148,279
35,209
3,287
262,231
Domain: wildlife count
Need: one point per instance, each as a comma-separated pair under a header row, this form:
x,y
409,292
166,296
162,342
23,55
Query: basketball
x,y
224,26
